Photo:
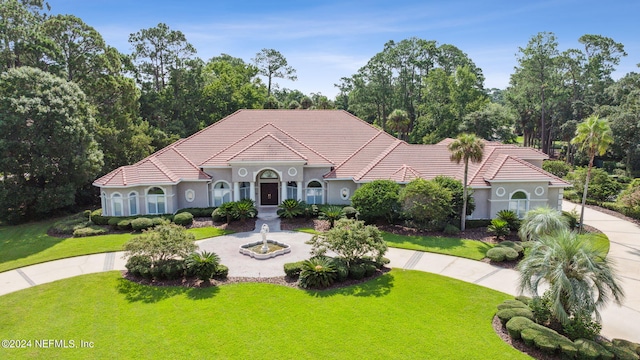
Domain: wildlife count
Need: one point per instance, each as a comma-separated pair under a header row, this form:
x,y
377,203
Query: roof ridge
x,y
302,143
160,166
377,160
235,142
190,162
355,152
497,166
262,138
482,164
531,166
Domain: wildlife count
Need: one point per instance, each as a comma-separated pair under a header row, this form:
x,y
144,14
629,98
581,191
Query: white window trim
x,y
147,196
306,188
527,201
114,196
213,192
103,203
135,199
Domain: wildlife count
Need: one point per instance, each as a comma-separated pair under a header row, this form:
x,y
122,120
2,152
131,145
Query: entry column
x,y
299,188
236,191
284,191
252,191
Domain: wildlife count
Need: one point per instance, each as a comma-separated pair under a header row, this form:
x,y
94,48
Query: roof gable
x,y
267,148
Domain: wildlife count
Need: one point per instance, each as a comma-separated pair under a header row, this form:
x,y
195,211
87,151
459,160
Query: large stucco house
x,y
319,156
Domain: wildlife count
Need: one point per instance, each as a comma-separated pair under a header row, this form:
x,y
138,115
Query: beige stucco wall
x,y
481,200
538,195
171,199
334,189
200,190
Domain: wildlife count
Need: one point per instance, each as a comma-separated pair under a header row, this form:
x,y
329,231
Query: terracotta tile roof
x,y
330,138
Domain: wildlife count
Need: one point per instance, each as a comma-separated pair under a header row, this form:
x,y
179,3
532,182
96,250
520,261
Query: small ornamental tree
x,y
164,242
457,192
351,240
426,203
377,200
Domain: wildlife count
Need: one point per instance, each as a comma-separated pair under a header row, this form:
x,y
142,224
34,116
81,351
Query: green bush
x,y
369,269
331,213
620,353
581,327
512,304
124,224
184,218
516,324
244,209
572,218
457,193
635,347
506,314
202,265
159,221
92,230
318,272
541,308
499,228
169,269
377,200
474,224
113,222
548,340
164,242
69,224
357,271
293,269
221,272
140,224
451,230
523,299
342,270
139,265
220,214
558,168
309,210
426,203
98,219
591,350
602,187
350,212
510,244
197,212
500,254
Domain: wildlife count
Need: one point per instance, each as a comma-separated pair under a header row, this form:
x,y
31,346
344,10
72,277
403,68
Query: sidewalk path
x,y
618,321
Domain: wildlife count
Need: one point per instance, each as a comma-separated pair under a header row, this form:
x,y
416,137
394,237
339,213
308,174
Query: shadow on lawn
x,y
377,287
20,241
135,292
434,242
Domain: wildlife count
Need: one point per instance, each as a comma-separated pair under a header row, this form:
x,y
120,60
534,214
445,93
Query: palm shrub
x,y
331,213
202,265
224,212
499,228
290,208
581,279
318,272
511,218
244,209
542,221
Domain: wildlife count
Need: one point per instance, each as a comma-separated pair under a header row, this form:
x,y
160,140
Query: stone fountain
x,y
266,248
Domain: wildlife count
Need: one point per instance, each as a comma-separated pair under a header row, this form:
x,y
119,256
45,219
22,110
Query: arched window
x,y
133,203
103,203
519,203
221,193
116,204
244,190
292,190
314,193
156,201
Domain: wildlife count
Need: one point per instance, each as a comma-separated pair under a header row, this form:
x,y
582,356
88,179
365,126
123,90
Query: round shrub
x,y
158,221
98,219
124,224
113,222
516,324
202,265
451,230
357,271
523,299
140,224
221,272
499,254
342,270
139,265
350,212
169,269
377,200
369,269
591,350
510,244
184,219
635,347
218,215
619,352
92,230
506,314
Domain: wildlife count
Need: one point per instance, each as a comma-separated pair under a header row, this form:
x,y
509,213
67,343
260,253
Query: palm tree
x,y
581,279
594,137
542,221
398,121
467,147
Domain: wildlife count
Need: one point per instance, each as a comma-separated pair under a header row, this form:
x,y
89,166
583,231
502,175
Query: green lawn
x,y
401,315
29,244
470,249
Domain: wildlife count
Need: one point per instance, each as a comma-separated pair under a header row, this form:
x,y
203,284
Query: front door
x,y
269,194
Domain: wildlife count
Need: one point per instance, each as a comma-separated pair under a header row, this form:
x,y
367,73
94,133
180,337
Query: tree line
x,y
134,104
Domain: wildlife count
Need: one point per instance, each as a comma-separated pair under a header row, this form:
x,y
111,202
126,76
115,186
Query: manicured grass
x,y
308,231
401,315
29,244
600,241
470,249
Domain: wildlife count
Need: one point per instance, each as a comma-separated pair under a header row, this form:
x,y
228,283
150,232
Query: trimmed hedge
x,y
591,350
516,324
221,272
635,347
621,353
499,254
506,314
197,212
512,304
124,225
184,219
92,230
293,269
140,224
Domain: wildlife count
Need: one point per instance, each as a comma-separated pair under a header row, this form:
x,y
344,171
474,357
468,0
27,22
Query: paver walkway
x,y
618,321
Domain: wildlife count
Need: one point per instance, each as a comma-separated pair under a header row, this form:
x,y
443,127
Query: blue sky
x,y
327,40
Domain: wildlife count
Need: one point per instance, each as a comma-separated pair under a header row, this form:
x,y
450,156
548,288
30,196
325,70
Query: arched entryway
x,y
269,187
